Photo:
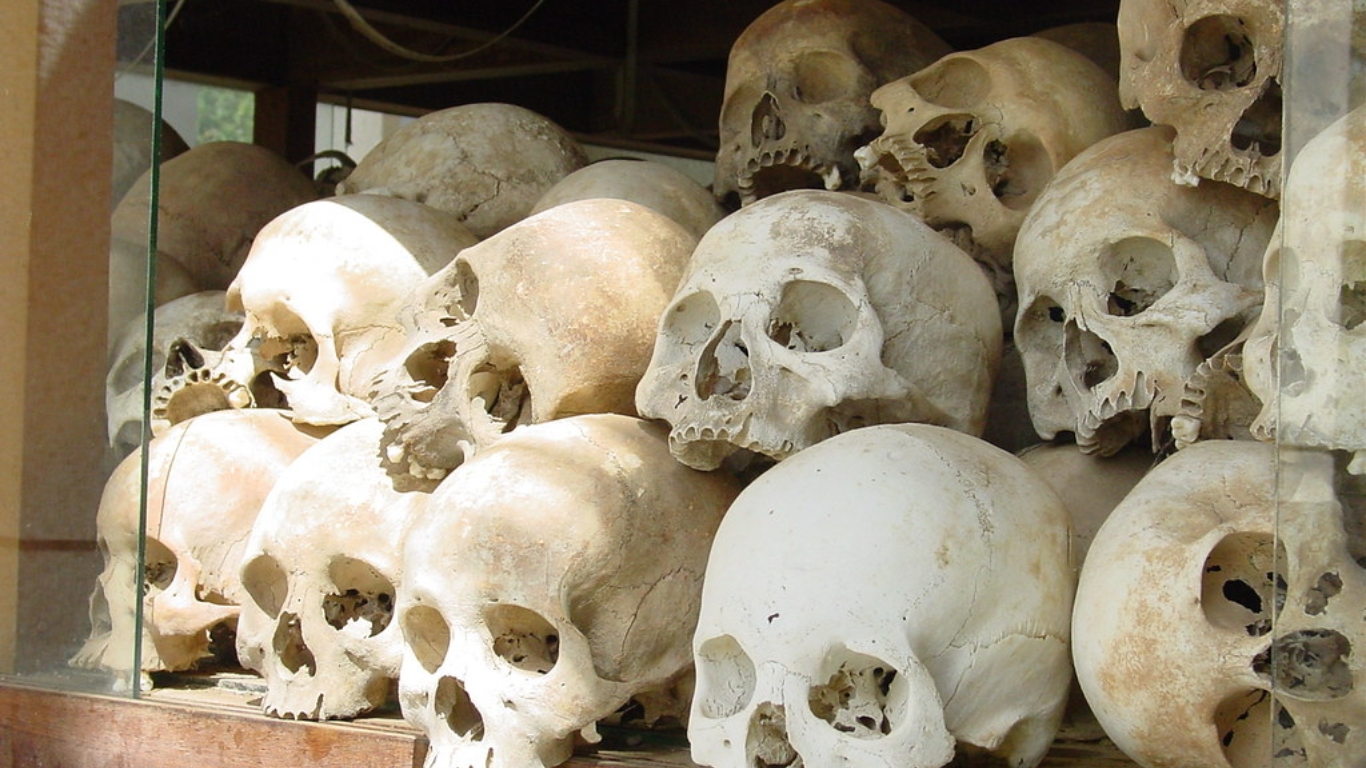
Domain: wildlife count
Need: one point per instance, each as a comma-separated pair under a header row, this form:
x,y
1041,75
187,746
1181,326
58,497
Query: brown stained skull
x,y
1221,610
1210,69
552,317
796,96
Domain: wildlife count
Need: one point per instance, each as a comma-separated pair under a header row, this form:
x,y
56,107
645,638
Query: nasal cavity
x,y
766,124
290,648
723,368
767,744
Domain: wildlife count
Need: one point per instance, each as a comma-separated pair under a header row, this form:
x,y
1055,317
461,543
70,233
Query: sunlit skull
x,y
1313,333
1210,69
552,317
200,320
555,576
1127,282
652,184
888,598
796,96
1221,609
321,292
206,480
810,313
971,140
322,571
486,163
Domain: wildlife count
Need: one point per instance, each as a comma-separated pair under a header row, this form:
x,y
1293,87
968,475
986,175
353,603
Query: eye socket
x,y
1017,172
427,635
863,697
725,677
365,597
821,76
1218,55
691,319
159,567
266,584
1352,294
955,82
1140,271
812,317
1240,590
523,638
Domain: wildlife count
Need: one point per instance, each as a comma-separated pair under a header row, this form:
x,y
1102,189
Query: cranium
x,y
321,292
1208,633
552,317
971,141
1127,282
134,130
555,576
810,313
322,571
1211,70
486,163
885,599
207,478
796,96
652,184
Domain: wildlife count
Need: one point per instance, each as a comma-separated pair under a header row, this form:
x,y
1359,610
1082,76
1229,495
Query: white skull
x,y
651,184
1208,633
207,478
1127,282
486,163
555,576
880,596
552,317
970,141
1316,289
321,292
1210,69
322,571
201,319
810,313
795,104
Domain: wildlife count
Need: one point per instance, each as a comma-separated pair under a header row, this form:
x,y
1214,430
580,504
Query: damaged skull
x,y
811,313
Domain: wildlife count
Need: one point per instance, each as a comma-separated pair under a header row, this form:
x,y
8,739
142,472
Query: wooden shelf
x,y
218,727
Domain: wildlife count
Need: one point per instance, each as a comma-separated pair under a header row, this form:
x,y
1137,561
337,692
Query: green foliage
x,y
224,114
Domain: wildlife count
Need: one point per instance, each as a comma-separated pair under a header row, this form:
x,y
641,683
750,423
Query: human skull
x,y
1127,282
879,597
971,141
652,184
1313,335
555,576
320,291
1208,633
201,319
486,163
1211,70
136,130
810,313
552,317
322,571
795,104
206,480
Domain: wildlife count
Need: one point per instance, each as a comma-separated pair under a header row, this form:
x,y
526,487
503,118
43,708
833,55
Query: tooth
x,y
832,179
395,452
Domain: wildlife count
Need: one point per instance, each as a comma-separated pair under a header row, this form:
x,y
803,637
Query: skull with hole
x,y
207,478
321,292
321,571
971,140
885,599
652,184
1211,70
552,317
1207,632
555,576
485,163
810,313
1127,282
795,105
1316,276
199,320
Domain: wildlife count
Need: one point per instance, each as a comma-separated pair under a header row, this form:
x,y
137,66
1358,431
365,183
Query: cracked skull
x,y
796,105
322,571
1128,281
207,478
552,317
1220,606
888,598
320,292
485,163
556,576
1211,70
811,313
971,140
